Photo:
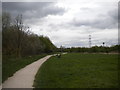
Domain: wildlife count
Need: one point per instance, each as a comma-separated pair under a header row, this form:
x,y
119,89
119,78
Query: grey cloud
x,y
101,21
98,23
32,9
114,14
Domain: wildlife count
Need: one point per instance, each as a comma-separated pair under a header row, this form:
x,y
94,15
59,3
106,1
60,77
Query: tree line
x,y
19,41
94,49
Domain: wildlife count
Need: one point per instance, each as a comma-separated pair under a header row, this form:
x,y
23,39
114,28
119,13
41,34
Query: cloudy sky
x,y
70,23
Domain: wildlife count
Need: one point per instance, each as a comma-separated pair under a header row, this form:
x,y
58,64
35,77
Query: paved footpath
x,y
24,78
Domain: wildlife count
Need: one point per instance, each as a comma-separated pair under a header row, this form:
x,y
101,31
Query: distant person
x,y
59,55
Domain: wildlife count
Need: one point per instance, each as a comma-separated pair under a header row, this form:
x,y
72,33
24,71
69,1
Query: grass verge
x,y
77,70
10,65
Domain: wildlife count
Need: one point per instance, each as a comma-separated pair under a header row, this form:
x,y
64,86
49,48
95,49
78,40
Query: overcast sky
x,y
70,23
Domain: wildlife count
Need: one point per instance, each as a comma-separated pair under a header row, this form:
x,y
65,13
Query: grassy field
x,y
11,65
76,70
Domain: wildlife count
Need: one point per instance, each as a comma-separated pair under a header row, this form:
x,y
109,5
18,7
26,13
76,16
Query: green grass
x,y
77,70
11,65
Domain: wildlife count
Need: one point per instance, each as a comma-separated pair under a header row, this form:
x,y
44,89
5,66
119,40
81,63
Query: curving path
x,y
24,78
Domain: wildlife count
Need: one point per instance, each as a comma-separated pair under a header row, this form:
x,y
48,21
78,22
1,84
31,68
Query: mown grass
x,y
10,65
77,70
